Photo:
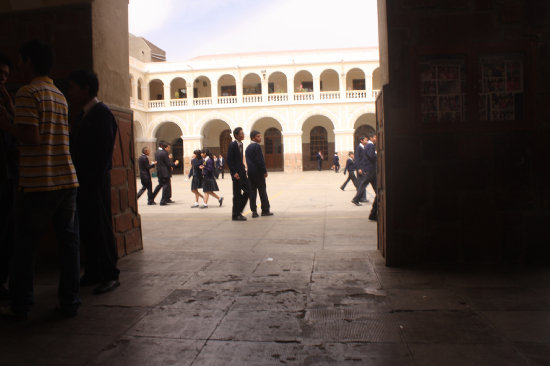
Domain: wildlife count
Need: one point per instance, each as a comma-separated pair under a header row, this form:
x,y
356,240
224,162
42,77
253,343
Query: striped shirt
x,y
46,166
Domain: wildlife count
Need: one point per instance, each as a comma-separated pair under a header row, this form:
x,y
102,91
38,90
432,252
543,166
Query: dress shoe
x,y
341,188
255,214
87,280
267,213
364,200
239,218
220,201
151,203
106,287
373,218
356,203
164,204
170,201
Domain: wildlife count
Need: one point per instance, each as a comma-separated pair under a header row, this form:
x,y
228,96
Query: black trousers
x,y
7,226
221,171
364,180
146,185
241,192
96,229
319,164
166,186
257,186
351,176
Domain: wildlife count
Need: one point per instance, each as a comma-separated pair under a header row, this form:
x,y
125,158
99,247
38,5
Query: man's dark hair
x,y
85,79
350,153
254,133
208,153
40,54
236,131
370,135
163,144
143,150
362,137
5,60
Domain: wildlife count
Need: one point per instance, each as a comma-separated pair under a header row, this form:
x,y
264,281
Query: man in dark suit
x,y
164,173
319,160
93,138
360,165
241,187
221,165
350,168
366,169
145,175
257,173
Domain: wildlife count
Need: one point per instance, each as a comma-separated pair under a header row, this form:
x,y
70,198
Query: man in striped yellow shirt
x,y
47,181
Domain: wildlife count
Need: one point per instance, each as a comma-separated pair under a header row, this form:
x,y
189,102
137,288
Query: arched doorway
x,y
216,137
225,140
273,149
363,125
171,133
318,141
177,154
362,130
318,135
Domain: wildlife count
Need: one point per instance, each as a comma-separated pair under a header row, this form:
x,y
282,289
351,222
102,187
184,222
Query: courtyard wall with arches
x,y
301,101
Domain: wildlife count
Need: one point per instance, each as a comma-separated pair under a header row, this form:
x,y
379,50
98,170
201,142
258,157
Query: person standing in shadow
x,y
92,142
241,186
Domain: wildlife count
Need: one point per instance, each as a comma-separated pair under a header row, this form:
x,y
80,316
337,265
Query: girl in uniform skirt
x,y
209,185
197,181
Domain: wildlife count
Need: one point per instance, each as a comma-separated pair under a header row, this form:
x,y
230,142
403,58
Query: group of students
x,y
364,162
58,173
248,181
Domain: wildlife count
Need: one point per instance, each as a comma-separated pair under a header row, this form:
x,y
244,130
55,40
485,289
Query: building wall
x,y
472,190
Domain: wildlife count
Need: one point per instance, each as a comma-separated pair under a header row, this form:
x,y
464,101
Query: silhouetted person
x,y
319,160
257,172
366,169
47,180
8,180
93,138
145,175
241,186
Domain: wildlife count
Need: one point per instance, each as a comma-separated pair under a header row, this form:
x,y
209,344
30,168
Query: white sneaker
x,y
196,204
204,206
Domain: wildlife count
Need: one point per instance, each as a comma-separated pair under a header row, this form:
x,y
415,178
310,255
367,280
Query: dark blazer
x,y
235,160
370,157
361,158
350,166
164,164
335,160
255,159
144,167
93,143
220,162
208,169
195,171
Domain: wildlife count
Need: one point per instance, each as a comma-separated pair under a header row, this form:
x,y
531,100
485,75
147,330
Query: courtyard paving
x,y
306,286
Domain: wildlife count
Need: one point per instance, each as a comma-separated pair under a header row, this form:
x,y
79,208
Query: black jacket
x,y
255,160
144,167
235,160
164,164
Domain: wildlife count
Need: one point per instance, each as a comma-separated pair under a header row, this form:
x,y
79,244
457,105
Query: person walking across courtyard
x,y
257,173
209,186
197,178
350,168
164,173
241,186
145,175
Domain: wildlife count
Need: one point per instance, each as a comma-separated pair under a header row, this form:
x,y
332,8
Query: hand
x,y
177,162
201,166
236,176
360,171
155,162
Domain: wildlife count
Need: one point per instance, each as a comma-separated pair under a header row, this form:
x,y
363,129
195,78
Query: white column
x,y
189,94
265,90
239,86
167,95
292,148
343,142
190,144
317,88
368,85
214,91
290,87
342,86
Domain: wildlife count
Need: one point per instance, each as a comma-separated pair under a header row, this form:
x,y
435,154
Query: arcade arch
x,y
227,86
330,81
202,87
214,136
272,142
355,79
178,88
252,84
364,124
303,81
277,83
318,134
156,90
171,133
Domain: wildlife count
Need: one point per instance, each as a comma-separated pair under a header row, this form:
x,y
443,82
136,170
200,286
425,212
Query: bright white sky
x,y
190,28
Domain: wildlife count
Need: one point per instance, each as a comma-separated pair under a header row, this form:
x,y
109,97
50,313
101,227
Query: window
x,y
318,141
442,90
358,84
501,85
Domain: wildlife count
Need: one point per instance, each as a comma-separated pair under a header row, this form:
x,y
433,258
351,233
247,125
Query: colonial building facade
x,y
302,102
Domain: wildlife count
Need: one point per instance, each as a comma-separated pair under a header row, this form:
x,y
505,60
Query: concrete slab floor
x,y
304,287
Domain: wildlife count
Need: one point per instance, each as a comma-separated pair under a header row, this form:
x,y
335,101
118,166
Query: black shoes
x,y
151,203
220,201
341,188
170,201
255,214
106,287
356,203
164,204
373,218
364,200
239,218
267,213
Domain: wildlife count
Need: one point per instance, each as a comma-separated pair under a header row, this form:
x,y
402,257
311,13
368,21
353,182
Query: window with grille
x,y
318,141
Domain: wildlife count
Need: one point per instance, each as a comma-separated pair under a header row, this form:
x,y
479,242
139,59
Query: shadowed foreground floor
x,y
304,287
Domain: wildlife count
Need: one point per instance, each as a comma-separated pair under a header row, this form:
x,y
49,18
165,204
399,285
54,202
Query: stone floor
x,y
304,287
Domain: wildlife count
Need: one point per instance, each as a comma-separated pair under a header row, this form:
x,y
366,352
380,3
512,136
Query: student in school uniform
x,y
209,185
196,173
350,168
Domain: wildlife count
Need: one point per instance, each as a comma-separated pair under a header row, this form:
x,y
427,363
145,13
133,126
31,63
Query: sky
x,y
191,28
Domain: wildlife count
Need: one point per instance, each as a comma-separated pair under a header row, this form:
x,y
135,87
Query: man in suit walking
x,y
241,187
319,160
145,175
164,173
350,168
366,169
221,165
257,173
92,143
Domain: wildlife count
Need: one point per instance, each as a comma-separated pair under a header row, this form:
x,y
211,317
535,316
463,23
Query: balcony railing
x,y
254,98
278,97
329,95
202,101
178,103
300,96
228,101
